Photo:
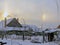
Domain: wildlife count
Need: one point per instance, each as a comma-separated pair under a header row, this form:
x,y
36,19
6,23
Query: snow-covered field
x,y
25,42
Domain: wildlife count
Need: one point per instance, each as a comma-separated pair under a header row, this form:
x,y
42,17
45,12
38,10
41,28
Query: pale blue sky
x,y
32,11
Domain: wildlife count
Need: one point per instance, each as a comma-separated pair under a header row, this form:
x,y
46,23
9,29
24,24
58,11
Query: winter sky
x,y
32,11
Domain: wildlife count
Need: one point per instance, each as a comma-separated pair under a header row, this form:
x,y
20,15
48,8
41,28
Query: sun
x,y
5,14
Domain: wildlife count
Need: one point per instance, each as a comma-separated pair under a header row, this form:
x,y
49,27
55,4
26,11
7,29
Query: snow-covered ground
x,y
12,41
25,42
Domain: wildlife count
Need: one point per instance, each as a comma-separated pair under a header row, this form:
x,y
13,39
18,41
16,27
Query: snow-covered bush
x,y
36,39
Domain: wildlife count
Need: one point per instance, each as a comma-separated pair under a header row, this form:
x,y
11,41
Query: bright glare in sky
x,y
34,11
5,14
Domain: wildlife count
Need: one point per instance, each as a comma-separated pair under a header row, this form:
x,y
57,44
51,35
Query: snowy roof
x,y
2,23
50,31
14,28
58,29
14,23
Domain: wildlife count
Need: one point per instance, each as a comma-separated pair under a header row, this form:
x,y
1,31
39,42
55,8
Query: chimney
x,y
17,19
5,22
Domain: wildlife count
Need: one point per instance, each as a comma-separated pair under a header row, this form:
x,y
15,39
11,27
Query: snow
x,y
26,42
58,30
37,39
12,41
50,31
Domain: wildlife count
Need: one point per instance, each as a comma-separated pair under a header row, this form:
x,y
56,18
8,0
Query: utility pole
x,y
5,22
57,5
24,30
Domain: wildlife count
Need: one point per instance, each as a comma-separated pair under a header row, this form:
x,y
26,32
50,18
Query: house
x,y
11,24
14,23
